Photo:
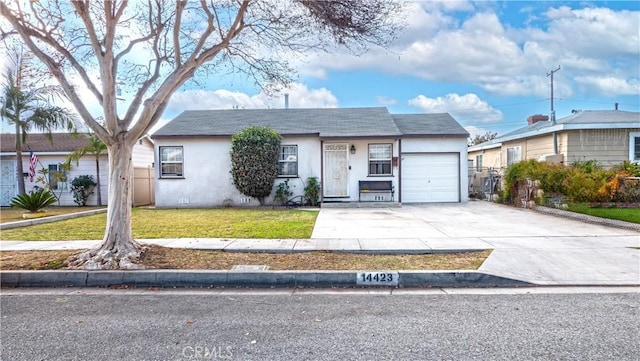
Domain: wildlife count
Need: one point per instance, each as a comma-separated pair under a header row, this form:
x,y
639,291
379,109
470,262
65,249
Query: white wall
x,y
443,145
143,153
207,181
86,166
359,163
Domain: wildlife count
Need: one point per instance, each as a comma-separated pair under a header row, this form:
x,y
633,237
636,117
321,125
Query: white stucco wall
x,y
207,181
359,163
443,145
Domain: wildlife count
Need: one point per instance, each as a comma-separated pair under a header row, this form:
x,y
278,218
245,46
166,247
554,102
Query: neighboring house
x,y
51,155
606,136
424,156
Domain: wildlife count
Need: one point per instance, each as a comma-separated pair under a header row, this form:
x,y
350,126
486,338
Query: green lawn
x,y
623,214
181,223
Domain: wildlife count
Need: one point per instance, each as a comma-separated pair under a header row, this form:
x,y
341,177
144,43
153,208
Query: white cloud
x,y
441,46
300,96
611,85
386,101
468,108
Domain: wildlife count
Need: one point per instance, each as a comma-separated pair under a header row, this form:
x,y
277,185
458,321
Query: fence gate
x,y
143,186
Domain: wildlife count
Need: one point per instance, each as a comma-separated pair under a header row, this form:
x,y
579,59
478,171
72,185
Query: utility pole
x,y
553,112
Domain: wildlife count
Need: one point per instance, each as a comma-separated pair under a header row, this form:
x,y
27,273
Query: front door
x,y
8,182
336,170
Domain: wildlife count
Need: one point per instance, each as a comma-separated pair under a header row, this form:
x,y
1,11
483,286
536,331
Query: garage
x,y
430,177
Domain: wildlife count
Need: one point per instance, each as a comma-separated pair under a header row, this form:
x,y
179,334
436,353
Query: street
x,y
403,324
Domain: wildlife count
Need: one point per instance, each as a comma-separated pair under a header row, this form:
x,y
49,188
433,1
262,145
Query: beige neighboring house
x,y
51,154
607,136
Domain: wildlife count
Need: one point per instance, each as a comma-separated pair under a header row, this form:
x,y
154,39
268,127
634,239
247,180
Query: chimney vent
x,y
537,118
286,100
616,105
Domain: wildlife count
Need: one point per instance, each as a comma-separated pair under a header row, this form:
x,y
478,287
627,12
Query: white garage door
x,y
430,177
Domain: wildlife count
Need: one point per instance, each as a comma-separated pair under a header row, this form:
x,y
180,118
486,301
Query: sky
x,y
486,63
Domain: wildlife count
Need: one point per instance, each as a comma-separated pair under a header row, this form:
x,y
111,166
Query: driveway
x,y
528,245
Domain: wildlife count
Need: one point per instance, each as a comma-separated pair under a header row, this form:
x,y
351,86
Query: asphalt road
x,y
280,325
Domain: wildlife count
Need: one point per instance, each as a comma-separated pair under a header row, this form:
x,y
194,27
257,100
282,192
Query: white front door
x,y
8,181
336,170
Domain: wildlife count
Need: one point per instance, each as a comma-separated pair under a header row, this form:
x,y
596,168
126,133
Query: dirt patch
x,y
156,257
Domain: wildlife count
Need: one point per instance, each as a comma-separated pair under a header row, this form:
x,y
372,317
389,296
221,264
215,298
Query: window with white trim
x,y
634,146
479,163
514,155
171,162
288,161
57,177
380,159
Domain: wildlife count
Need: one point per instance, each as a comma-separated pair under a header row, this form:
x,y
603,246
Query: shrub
x,y
516,176
312,191
283,192
254,161
33,201
82,187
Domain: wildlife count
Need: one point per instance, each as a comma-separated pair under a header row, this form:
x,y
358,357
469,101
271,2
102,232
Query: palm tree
x,y
29,110
96,148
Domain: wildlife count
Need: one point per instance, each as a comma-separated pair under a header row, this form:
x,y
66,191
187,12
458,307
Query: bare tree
x,y
155,46
477,139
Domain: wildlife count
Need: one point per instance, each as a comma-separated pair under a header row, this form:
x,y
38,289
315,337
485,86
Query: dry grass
x,y
15,214
157,257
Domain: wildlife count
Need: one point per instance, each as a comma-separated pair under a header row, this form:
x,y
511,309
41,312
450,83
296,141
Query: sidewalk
x,y
529,248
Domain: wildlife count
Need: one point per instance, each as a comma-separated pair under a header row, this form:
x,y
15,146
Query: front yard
x,y
181,223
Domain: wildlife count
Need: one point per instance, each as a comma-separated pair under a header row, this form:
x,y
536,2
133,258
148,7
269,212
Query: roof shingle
x,y
323,122
37,142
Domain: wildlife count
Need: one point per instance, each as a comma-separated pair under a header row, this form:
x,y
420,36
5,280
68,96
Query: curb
x,y
61,217
270,279
587,218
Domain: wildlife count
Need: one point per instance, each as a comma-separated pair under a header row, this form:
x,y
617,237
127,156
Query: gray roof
x,y
323,122
38,142
583,119
431,124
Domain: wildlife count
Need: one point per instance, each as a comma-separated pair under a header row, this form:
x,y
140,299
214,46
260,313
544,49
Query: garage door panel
x,y
430,177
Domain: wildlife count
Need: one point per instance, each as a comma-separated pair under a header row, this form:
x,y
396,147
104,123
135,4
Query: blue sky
x,y
484,62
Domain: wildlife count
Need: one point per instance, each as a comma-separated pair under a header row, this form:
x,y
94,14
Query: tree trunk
x,y
19,168
99,195
118,249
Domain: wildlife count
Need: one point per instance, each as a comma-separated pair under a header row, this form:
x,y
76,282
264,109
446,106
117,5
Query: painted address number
x,y
377,279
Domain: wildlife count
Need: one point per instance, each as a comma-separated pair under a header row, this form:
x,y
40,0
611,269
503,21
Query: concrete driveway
x,y
528,245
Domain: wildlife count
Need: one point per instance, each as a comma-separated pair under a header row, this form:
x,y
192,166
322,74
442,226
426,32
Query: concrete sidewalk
x,y
529,248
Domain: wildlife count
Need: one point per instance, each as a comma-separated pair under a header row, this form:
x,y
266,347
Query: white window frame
x,y
179,161
286,159
54,183
516,157
633,136
382,160
479,163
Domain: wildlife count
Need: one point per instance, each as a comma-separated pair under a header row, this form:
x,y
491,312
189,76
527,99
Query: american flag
x,y
33,163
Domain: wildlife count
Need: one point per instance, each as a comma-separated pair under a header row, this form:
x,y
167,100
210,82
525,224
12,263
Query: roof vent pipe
x,y
615,105
286,100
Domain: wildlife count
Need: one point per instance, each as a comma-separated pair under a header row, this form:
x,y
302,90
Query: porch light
x,y
353,149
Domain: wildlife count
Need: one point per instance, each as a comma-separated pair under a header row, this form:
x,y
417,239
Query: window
x,y
479,163
57,177
514,155
288,161
171,160
380,159
634,147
